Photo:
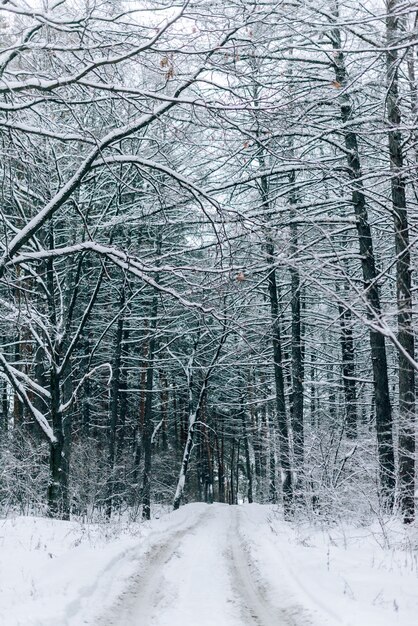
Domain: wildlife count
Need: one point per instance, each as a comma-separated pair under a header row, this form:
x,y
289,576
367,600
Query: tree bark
x,y
403,276
114,407
348,371
297,360
377,341
148,421
283,431
58,496
248,467
58,501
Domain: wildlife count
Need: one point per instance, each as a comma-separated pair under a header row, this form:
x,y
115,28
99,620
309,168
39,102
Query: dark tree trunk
x,y
139,427
257,438
209,469
377,340
272,496
85,409
403,277
283,433
263,434
280,394
4,422
58,500
237,464
297,360
313,392
123,393
164,410
114,407
17,403
348,371
220,448
231,498
248,467
176,420
148,421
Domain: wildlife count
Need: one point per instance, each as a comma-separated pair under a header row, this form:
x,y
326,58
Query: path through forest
x,y
204,573
208,565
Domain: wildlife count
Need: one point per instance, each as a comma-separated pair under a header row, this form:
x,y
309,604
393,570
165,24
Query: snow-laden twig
x,y
21,392
64,407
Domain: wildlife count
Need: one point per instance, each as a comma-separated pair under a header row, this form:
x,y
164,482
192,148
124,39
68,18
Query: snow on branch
x,y
136,160
64,407
19,389
125,262
39,84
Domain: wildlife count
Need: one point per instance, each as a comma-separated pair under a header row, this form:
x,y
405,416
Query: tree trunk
x,y
248,467
114,407
231,498
403,277
148,421
237,472
220,448
348,371
272,496
283,433
297,361
58,500
185,462
193,417
165,396
377,340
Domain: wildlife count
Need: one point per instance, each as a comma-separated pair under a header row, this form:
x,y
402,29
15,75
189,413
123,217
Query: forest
x,y
209,222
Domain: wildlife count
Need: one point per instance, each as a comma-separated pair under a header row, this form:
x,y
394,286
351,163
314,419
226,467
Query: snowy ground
x,y
207,566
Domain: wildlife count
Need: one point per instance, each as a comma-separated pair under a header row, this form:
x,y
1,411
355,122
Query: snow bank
x,y
55,573
353,576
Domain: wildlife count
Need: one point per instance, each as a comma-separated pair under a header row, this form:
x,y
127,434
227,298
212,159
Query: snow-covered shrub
x,y
24,473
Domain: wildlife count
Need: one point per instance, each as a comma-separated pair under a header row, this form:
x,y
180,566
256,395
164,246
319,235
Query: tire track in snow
x,y
146,599
252,591
138,604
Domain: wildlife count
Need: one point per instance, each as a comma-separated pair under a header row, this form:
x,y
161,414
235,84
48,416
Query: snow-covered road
x,y
204,573
208,565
